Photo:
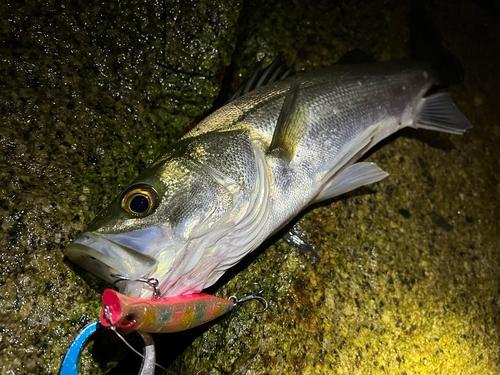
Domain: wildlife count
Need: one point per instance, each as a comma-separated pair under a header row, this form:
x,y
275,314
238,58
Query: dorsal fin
x,y
257,78
260,77
290,126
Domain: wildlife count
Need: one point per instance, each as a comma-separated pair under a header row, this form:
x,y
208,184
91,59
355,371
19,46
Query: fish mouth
x,y
107,259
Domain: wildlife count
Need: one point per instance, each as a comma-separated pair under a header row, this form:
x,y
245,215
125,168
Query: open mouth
x,y
107,259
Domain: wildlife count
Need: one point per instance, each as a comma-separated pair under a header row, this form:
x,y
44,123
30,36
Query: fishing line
x,y
109,317
113,328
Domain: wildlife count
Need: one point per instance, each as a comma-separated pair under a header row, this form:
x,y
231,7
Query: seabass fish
x,y
251,166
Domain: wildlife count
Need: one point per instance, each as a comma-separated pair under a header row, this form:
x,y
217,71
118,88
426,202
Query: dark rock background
x,y
407,279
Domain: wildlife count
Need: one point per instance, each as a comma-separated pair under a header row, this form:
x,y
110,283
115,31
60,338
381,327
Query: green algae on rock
x,y
87,101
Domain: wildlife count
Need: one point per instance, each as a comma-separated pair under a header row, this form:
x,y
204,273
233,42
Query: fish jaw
x,y
109,260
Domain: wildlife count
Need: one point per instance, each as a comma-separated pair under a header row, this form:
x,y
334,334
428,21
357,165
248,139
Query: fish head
x,y
158,227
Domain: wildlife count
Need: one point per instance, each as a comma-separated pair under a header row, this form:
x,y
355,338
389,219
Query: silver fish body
x,y
250,167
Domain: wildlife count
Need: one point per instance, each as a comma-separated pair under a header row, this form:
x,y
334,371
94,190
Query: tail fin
x,y
438,112
425,44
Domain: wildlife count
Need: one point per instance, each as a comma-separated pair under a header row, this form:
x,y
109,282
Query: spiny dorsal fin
x,y
290,126
260,77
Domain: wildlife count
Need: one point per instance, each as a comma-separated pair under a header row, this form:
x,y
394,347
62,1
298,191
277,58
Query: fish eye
x,y
140,200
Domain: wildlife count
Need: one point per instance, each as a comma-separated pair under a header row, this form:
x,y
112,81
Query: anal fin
x,y
352,177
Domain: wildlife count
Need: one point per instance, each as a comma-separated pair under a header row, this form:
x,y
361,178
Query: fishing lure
x,y
155,314
168,314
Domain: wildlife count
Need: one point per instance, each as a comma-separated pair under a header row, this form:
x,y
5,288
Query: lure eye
x,y
140,200
128,320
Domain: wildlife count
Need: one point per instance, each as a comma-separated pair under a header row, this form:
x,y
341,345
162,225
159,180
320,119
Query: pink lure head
x,y
115,311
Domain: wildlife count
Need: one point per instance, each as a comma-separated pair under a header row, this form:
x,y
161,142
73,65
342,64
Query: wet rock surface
x,y
91,93
407,278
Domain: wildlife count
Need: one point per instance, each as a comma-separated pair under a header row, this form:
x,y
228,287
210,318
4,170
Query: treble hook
x,y
255,295
152,282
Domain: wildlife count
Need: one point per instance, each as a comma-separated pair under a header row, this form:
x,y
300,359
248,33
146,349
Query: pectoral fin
x,y
352,177
291,125
296,237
